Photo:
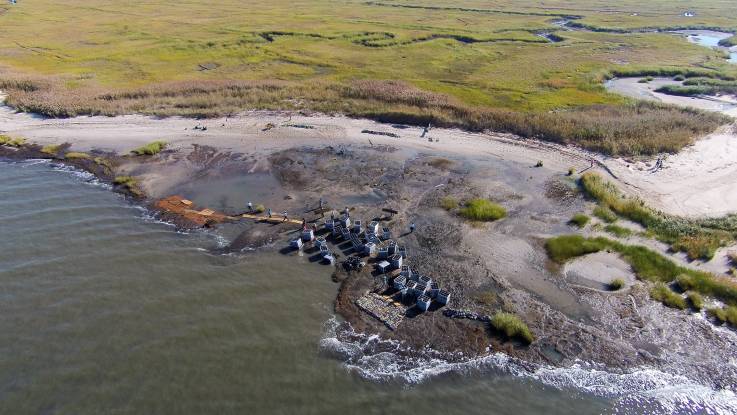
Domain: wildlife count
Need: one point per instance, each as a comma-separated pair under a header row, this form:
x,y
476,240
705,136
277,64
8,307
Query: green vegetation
x,y
11,141
699,239
512,326
695,300
150,149
645,79
729,42
579,220
725,314
51,149
103,162
483,210
128,183
449,203
661,292
618,231
605,214
616,284
647,264
259,208
486,298
73,155
464,64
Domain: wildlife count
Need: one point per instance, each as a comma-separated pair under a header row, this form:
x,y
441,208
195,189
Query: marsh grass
x,y
695,300
647,265
579,220
482,210
660,292
512,327
699,239
129,183
724,314
150,149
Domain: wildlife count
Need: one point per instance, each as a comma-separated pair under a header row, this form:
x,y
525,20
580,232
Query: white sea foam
x,y
642,390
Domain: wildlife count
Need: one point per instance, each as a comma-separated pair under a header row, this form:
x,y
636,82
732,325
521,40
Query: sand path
x,y
699,181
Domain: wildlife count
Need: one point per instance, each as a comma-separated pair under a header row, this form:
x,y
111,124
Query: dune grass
x,y
725,314
699,239
647,264
51,149
695,300
512,326
74,155
579,220
11,141
150,149
130,184
618,231
482,210
661,292
449,203
605,214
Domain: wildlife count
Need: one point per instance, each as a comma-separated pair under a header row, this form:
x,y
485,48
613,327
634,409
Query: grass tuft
x,y
725,314
695,300
618,231
579,220
449,203
150,149
51,149
512,327
483,210
11,141
605,214
74,155
661,292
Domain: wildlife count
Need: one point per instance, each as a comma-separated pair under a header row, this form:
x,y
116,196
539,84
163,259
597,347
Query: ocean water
x,y
103,310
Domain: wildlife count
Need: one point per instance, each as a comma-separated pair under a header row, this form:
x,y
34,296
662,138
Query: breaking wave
x,y
642,390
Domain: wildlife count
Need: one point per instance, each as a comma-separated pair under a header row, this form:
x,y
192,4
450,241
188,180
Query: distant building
x,y
386,234
296,243
396,261
308,235
373,227
383,252
357,226
383,266
400,283
369,249
320,241
405,271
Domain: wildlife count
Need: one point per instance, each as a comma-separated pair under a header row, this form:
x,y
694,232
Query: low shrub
x,y
579,220
696,300
512,326
483,210
616,284
605,214
448,203
563,248
661,292
150,149
618,231
259,208
129,183
679,78
100,161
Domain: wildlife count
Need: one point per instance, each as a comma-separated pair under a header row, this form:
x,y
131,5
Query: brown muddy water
x,y
103,309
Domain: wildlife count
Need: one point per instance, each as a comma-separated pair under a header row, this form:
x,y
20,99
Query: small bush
x,y
129,183
51,149
618,231
646,79
483,210
100,161
579,220
448,203
605,214
696,300
563,248
661,292
679,78
259,208
150,149
73,155
11,141
512,326
616,284
486,298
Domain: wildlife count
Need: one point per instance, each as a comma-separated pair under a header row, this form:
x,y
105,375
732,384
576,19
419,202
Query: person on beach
x,y
304,223
411,227
285,216
269,213
346,211
250,207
